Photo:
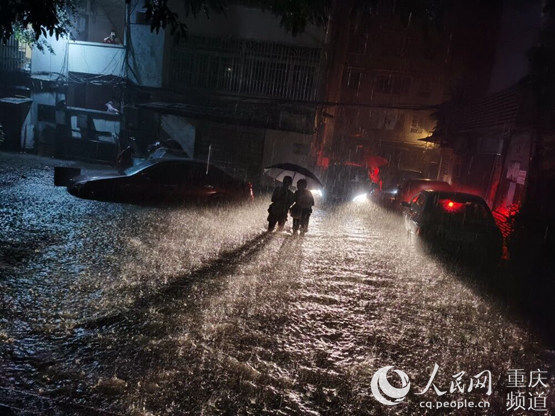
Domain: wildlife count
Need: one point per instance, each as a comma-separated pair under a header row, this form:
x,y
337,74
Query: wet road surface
x,y
153,311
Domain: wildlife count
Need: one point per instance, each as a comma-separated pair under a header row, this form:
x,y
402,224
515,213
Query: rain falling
x,y
309,207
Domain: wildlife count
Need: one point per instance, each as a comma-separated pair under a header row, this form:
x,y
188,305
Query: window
x,y
353,80
46,113
400,125
415,126
384,84
455,211
393,84
417,204
244,66
374,119
303,80
390,119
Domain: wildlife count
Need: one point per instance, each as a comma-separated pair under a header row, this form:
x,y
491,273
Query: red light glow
x,y
450,206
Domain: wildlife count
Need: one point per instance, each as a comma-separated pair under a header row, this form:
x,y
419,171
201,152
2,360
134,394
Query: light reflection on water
x,y
173,311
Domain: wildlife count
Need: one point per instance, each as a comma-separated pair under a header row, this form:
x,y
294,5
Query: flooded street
x,y
118,309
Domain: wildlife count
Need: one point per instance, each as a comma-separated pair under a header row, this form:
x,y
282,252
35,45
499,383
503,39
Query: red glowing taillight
x,y
450,206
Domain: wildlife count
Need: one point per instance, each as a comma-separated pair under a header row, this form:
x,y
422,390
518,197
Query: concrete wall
x,y
77,56
27,132
237,149
49,65
180,130
96,58
105,16
513,179
287,147
146,56
32,127
146,49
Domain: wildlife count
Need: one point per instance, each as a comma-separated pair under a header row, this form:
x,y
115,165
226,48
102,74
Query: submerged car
x,y
454,223
408,189
347,183
393,197
159,181
392,180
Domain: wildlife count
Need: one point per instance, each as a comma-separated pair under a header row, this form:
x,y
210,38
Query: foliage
x,y
29,19
28,37
294,15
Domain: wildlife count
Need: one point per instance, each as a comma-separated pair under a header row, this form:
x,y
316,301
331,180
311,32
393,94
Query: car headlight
x,y
317,192
361,198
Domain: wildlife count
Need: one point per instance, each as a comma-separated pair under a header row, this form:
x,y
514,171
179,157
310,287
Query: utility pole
x,y
126,42
126,39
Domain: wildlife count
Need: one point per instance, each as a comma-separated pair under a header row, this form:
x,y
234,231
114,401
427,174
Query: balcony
x,y
67,56
96,58
245,67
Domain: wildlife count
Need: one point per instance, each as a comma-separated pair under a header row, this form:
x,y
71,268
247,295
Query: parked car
x,y
408,189
163,180
392,197
453,222
347,183
386,197
393,177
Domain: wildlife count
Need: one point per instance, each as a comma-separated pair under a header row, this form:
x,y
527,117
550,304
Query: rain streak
x,y
119,309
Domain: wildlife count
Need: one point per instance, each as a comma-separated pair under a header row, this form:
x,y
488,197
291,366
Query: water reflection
x,y
186,311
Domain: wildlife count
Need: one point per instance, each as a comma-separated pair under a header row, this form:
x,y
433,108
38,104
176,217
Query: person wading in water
x,y
282,199
302,208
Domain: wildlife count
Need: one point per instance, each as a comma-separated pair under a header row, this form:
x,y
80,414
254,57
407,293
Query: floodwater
x,y
118,309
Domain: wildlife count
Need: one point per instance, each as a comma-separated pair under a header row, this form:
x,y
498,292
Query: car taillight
x,y
450,206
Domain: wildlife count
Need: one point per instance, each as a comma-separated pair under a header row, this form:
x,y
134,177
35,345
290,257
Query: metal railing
x,y
245,67
13,57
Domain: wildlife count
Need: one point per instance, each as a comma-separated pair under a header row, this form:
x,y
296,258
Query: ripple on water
x,y
170,311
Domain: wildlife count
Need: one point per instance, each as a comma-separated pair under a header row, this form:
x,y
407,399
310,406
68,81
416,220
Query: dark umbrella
x,y
279,171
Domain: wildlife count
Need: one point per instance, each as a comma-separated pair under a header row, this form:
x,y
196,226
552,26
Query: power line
x,y
276,100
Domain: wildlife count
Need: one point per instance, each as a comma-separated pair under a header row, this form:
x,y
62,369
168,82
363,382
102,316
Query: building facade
x,y
386,78
492,134
15,89
238,86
